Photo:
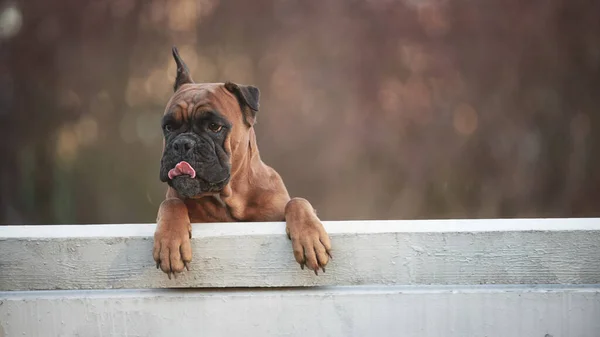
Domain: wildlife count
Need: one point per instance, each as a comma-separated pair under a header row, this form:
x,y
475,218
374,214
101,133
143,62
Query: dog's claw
x,y
157,264
302,266
323,269
169,274
187,266
316,272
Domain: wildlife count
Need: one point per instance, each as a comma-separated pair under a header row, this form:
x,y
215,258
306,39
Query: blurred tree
x,y
371,109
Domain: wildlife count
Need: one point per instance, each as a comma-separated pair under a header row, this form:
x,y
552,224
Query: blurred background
x,y
371,109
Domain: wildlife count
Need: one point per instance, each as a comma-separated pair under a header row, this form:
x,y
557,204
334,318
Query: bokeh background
x,y
371,109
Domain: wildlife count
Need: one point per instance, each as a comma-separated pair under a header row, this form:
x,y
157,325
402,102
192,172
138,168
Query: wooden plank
x,y
339,312
470,252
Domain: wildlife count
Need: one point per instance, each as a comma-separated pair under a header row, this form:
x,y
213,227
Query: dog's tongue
x,y
181,169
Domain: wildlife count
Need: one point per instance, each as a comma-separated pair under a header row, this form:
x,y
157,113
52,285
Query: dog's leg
x,y
172,248
310,241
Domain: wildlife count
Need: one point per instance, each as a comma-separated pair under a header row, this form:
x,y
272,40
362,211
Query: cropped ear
x,y
183,73
248,97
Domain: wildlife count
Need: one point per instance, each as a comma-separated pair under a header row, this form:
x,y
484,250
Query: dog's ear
x,y
183,73
248,97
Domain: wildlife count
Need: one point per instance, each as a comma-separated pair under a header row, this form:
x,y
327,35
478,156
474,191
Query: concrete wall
x,y
535,277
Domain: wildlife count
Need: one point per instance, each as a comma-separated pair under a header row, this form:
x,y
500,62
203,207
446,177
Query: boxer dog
x,y
214,173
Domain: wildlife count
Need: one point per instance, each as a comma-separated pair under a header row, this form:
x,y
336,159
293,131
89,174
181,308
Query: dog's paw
x,y
310,241
172,246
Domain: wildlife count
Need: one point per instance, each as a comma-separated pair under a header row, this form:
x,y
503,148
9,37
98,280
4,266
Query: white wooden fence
x,y
518,277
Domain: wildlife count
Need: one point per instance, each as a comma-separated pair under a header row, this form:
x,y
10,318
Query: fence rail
x,y
530,251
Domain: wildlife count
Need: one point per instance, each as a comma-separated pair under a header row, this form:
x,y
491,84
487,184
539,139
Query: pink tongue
x,y
181,169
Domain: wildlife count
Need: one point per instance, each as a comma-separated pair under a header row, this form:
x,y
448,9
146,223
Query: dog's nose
x,y
183,145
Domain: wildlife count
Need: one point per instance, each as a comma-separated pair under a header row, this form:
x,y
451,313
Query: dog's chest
x,y
208,210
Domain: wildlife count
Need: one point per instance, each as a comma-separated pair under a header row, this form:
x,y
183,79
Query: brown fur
x,y
255,191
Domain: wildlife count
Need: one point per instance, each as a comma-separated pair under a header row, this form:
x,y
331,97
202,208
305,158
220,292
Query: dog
x,y
212,166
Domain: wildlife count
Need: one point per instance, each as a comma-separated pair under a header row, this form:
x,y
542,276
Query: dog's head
x,y
204,125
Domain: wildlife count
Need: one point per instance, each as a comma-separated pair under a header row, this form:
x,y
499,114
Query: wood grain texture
x,y
337,312
441,252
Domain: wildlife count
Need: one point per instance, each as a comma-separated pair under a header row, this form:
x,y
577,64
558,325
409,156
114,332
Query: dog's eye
x,y
214,127
168,127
